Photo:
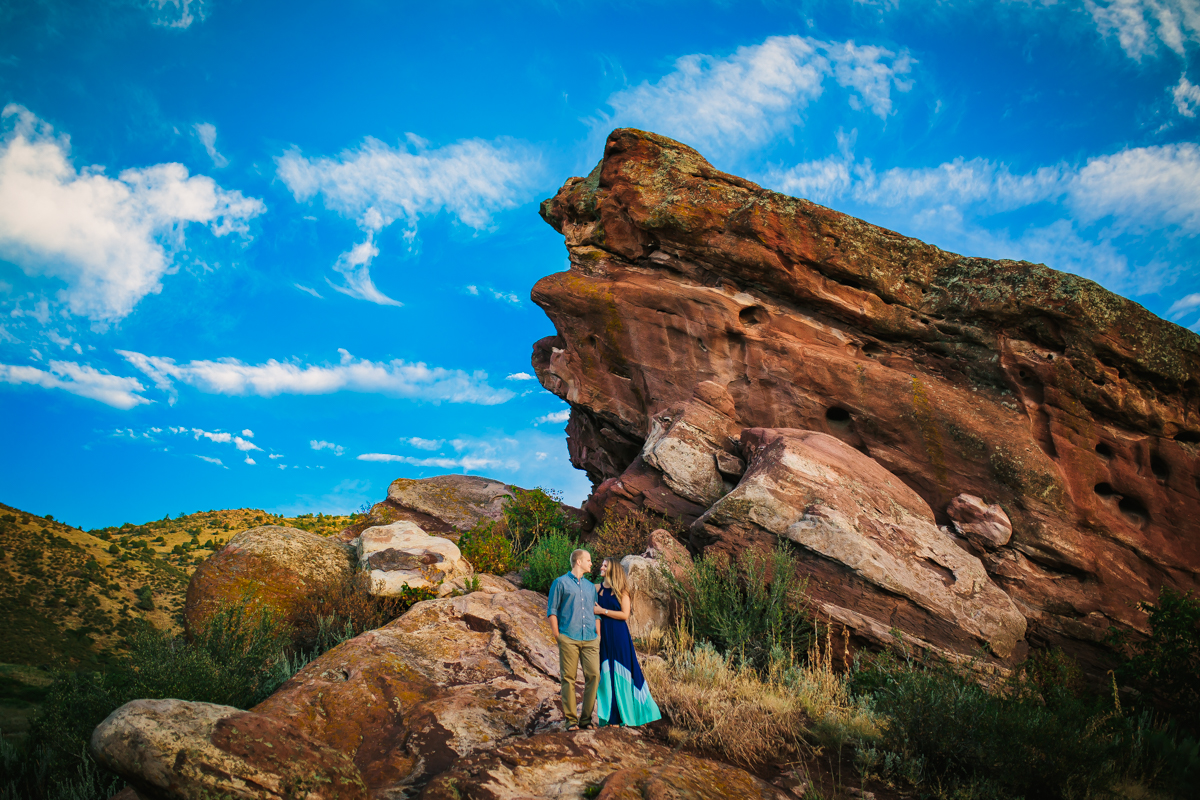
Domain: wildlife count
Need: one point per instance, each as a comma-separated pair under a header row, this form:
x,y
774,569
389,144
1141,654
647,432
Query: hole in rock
x,y
1134,510
1188,437
1105,450
1105,490
924,321
753,315
838,417
1159,467
872,350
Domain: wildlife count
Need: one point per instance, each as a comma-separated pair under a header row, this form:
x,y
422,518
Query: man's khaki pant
x,y
570,653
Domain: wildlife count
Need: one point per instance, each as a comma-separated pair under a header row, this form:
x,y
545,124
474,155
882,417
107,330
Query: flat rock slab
x,y
627,764
196,751
403,555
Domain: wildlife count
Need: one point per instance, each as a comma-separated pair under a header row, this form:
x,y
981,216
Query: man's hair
x,y
576,555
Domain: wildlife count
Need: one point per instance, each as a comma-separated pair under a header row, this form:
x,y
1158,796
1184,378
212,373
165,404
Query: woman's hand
x,y
598,610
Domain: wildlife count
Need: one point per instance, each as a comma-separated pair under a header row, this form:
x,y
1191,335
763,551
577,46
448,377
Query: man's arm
x,y
552,603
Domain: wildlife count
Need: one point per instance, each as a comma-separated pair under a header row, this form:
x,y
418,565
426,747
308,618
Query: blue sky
x,y
278,254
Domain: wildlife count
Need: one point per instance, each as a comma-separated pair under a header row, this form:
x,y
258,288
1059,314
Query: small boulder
x,y
653,604
401,554
189,751
273,565
985,525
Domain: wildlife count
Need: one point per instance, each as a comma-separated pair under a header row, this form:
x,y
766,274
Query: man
x,y
572,613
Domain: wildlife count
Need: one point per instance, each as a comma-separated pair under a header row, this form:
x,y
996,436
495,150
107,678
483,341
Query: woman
x,y
624,697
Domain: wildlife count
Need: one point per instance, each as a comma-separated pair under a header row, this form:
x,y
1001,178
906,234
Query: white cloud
x,y
274,456
176,13
79,379
1140,188
337,449
313,292
1141,26
519,376
213,436
1145,187
467,463
472,289
377,185
249,434
212,460
747,98
1187,97
398,378
557,416
110,240
250,460
505,297
207,133
355,266
424,444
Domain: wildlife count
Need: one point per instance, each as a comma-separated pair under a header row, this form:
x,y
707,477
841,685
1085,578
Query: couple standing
x,y
589,623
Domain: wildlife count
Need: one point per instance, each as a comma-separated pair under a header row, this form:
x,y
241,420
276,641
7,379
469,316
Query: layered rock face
x,y
981,453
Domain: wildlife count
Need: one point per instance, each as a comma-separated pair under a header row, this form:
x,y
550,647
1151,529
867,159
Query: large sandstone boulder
x,y
272,565
697,302
444,505
622,761
197,751
402,555
451,677
869,541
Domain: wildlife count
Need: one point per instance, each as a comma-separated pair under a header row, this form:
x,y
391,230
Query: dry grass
x,y
748,718
344,602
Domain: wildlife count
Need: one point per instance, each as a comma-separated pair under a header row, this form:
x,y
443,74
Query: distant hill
x,y
69,597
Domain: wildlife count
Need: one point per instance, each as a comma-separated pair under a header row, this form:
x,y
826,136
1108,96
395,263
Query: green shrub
x,y
1166,666
487,548
549,558
347,601
748,606
530,515
628,532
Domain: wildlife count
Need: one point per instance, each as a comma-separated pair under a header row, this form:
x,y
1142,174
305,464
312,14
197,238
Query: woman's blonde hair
x,y
617,578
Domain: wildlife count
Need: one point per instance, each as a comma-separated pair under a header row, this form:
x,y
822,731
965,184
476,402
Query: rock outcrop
x,y
271,564
402,555
442,505
699,305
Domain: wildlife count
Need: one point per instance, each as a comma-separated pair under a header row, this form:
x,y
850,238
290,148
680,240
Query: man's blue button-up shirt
x,y
573,601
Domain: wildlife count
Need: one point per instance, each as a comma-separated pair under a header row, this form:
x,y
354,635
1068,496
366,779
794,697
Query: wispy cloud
x,y
222,437
307,290
229,376
206,132
176,13
1186,96
1143,26
337,449
557,416
79,379
109,240
423,444
719,104
377,185
212,460
519,376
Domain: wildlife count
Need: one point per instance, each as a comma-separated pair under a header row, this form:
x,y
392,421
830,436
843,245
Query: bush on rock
x,y
550,558
487,548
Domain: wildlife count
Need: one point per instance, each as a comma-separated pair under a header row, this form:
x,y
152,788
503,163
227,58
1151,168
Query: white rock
x,y
401,554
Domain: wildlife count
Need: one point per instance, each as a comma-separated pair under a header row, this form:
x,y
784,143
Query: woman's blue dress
x,y
624,696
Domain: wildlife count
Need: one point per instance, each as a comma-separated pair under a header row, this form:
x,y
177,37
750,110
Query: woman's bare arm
x,y
626,604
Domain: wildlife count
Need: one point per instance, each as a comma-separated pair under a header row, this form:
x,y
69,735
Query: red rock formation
x,y
698,305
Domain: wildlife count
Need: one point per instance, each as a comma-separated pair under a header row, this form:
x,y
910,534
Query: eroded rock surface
x,y
441,505
699,304
271,564
402,555
565,765
652,604
450,677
